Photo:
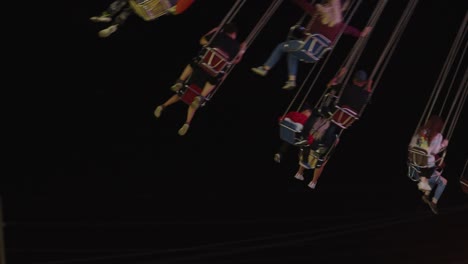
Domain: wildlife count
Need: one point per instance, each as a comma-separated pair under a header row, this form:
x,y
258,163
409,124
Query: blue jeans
x,y
439,183
122,9
293,61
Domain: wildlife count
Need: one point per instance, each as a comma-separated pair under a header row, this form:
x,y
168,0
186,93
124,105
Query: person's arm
x,y
337,79
369,86
240,54
304,5
437,144
350,30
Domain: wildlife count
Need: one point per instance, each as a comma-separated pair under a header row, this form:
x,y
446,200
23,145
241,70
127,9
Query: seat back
x,y
288,131
418,157
150,9
214,61
344,116
314,46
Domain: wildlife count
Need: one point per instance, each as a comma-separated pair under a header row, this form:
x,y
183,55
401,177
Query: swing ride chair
x,y
418,159
311,49
213,62
318,156
150,9
344,116
290,131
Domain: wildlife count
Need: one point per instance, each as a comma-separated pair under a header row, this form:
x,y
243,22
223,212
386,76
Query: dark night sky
x,y
97,153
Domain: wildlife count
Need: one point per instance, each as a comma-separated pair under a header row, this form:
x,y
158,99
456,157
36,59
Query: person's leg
x,y
173,99
300,173
124,10
284,147
271,61
198,100
190,114
293,63
439,183
188,70
317,173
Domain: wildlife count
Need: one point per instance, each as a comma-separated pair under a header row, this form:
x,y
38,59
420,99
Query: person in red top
x,y
327,21
299,118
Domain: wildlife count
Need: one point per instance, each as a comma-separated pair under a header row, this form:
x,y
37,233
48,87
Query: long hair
x,y
432,127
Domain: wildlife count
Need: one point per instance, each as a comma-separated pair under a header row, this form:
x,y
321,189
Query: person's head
x,y
360,77
331,11
306,109
230,29
433,126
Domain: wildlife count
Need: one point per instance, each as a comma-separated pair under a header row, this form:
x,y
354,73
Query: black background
x,y
98,179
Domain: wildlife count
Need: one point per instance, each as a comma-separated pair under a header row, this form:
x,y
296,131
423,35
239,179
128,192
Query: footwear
x,y
101,18
183,130
424,186
172,10
312,185
289,85
197,101
299,176
260,71
277,158
158,111
433,207
426,199
108,31
305,165
301,143
177,86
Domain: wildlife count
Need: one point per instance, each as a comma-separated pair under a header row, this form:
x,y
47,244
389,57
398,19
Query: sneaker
x,y
183,130
301,142
197,101
101,18
158,111
426,199
277,158
260,71
299,176
305,165
312,185
177,86
424,186
172,10
289,85
108,31
433,207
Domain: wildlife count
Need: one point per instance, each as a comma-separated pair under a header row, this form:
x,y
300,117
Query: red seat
x,y
214,61
344,117
190,92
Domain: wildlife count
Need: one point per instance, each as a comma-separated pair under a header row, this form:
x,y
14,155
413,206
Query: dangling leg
x,y
271,61
300,173
188,70
198,100
173,99
190,114
317,173
293,63
118,21
114,8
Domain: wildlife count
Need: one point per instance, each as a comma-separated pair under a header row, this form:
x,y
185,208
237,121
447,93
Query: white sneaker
x,y
100,19
158,111
260,71
424,186
277,158
108,31
312,185
183,130
289,85
299,176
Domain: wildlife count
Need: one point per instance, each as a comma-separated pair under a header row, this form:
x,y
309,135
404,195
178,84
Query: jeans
x,y
293,61
122,8
439,183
